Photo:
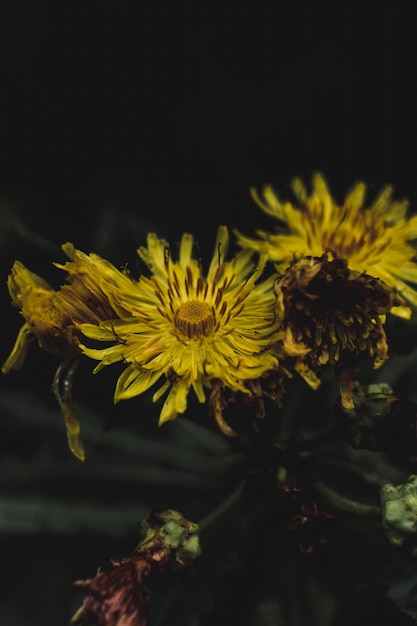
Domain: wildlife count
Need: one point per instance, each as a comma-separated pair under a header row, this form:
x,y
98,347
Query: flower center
x,y
194,319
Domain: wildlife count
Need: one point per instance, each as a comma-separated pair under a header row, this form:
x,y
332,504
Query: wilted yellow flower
x,y
375,239
193,330
332,317
52,317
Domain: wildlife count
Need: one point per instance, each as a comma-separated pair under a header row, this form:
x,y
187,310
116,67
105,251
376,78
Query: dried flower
x,y
288,484
375,240
270,385
118,597
332,317
301,513
195,331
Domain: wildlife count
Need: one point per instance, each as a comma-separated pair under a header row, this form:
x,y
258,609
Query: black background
x,y
170,113
117,118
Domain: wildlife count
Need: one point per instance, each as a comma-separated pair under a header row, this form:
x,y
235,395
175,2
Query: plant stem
x,y
342,503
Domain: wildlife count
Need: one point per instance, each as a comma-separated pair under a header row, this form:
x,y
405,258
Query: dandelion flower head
x,y
52,317
375,239
193,330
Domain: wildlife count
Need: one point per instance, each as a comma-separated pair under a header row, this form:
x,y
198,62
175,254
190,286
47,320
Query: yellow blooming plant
x,y
375,239
309,300
194,331
52,318
232,333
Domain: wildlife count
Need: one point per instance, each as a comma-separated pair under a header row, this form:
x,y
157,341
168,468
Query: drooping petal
x,y
19,351
176,401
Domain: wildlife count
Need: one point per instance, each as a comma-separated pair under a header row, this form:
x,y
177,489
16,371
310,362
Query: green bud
x,y
399,512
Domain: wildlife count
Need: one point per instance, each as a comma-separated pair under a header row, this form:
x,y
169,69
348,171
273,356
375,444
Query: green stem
x,y
220,511
342,503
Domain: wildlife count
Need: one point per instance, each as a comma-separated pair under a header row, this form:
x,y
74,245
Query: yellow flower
x,y
52,317
376,240
195,331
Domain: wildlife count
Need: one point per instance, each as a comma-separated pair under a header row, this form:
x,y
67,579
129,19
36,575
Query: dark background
x,y
117,118
170,113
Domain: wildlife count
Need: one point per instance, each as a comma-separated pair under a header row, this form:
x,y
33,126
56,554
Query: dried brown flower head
x,y
118,597
332,317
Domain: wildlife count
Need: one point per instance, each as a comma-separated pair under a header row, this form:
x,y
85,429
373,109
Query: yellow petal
x,y
133,382
18,354
176,401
